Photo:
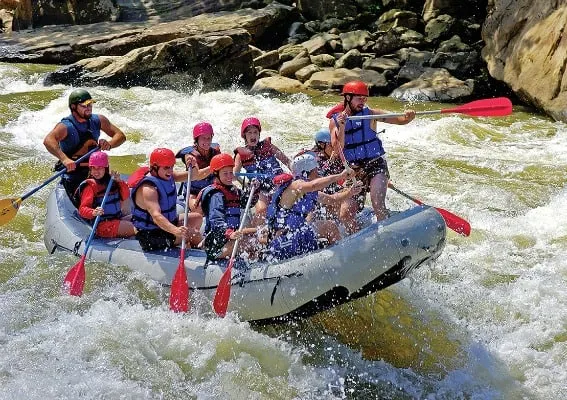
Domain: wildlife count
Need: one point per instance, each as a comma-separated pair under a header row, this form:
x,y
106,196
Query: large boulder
x,y
217,59
526,47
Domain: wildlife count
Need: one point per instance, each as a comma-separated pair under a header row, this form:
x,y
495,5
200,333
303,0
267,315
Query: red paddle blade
x,y
497,107
222,295
179,294
454,222
75,279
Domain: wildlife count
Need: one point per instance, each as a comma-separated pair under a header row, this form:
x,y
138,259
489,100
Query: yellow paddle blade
x,y
8,209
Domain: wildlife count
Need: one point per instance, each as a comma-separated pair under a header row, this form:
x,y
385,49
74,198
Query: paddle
x,y
179,293
9,207
497,107
75,279
253,175
222,295
454,222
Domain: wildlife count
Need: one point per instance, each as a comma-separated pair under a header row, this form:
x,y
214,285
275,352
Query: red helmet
x,y
220,161
162,157
250,121
202,128
98,159
355,87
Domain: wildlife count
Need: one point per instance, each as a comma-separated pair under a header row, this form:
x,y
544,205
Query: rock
x,y
435,84
323,60
526,49
354,39
268,59
289,68
352,59
219,59
276,85
305,73
334,79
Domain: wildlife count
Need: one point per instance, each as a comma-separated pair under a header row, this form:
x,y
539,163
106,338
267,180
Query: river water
x,y
487,320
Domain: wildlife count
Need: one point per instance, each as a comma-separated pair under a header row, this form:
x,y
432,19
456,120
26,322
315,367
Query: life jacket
x,y
231,198
202,162
293,218
81,137
361,141
260,159
167,199
112,209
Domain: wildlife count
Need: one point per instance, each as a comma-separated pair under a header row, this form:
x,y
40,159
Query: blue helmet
x,y
323,135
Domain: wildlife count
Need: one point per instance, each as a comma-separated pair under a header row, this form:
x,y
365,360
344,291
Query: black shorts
x,y
155,239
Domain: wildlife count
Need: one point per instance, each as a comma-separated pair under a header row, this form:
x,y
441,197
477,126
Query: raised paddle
x,y
75,279
222,295
9,207
497,107
179,293
454,222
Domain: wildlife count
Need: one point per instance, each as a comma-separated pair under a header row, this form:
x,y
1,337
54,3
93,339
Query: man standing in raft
x,y
155,204
359,142
78,133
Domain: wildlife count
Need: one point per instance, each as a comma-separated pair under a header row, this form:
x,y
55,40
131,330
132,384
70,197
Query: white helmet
x,y
304,163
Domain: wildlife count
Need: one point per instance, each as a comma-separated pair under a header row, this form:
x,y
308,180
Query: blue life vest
x,y
79,134
167,199
293,218
361,141
202,162
111,207
231,200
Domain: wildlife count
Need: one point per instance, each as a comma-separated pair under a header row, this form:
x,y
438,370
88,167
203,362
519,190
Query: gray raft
x,y
377,256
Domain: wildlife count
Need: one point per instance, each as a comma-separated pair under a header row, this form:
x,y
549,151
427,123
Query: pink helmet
x,y
250,121
202,128
98,159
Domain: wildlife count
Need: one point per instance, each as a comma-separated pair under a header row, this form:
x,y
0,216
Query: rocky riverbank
x,y
401,48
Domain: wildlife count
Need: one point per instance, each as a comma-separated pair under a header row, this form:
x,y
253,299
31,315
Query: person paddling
x,y
75,135
360,144
221,202
154,195
90,193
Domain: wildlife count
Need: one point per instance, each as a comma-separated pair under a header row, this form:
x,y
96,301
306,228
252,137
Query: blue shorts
x,y
293,244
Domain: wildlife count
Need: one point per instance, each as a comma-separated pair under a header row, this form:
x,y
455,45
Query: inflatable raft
x,y
377,256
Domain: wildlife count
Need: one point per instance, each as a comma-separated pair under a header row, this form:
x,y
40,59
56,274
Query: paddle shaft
x,y
58,174
186,216
97,219
243,221
222,295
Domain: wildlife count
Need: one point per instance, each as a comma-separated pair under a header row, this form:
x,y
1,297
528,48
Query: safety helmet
x,y
250,121
323,135
80,96
358,88
304,163
202,128
220,161
98,159
162,157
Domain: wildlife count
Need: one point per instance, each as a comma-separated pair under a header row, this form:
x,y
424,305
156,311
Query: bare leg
x,y
378,187
328,230
126,229
347,215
